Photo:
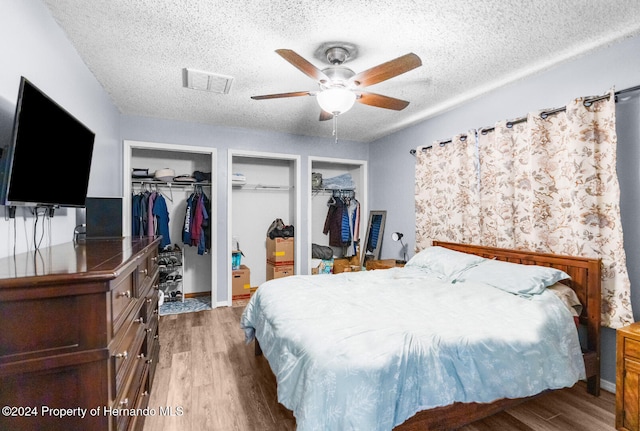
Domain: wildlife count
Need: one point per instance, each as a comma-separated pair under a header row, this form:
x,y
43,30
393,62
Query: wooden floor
x,y
208,372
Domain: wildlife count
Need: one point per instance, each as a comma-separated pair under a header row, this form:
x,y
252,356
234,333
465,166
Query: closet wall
x,y
319,199
198,270
270,192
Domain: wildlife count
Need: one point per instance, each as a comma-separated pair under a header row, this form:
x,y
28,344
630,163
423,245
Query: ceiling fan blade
x,y
302,64
387,70
324,115
281,95
380,101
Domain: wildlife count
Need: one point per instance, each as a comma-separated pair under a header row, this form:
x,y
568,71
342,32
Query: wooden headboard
x,y
585,281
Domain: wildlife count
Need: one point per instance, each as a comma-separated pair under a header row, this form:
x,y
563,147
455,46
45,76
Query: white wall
x,y
615,66
35,47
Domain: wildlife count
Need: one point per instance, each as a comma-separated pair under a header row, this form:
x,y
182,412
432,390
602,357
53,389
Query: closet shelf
x,y
265,187
170,183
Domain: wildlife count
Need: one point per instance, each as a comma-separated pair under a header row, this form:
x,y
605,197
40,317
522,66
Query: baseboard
x,y
196,294
608,386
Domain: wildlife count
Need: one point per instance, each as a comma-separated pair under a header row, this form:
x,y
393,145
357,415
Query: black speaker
x,y
104,217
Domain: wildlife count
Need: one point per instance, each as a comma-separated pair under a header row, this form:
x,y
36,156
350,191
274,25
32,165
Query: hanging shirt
x,y
188,218
162,218
333,223
151,222
353,211
204,222
135,215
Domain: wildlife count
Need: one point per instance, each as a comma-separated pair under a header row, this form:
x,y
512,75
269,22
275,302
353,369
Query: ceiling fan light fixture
x,y
336,100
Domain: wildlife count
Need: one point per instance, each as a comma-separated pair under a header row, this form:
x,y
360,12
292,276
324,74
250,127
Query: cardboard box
x,y
346,265
241,283
380,264
278,271
280,250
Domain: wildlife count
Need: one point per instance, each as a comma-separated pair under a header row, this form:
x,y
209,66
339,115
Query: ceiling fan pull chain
x,y
335,127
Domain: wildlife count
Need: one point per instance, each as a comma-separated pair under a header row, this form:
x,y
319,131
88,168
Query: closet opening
x,y
262,187
181,179
335,185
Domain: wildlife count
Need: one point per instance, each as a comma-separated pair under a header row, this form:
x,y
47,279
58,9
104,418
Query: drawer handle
x,y
156,337
126,294
140,356
122,355
156,287
148,300
140,320
149,361
155,311
154,259
143,271
147,330
124,402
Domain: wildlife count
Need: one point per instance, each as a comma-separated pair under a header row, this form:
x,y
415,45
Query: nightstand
x,y
628,378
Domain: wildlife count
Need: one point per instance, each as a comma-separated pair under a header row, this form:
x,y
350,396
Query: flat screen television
x,y
48,159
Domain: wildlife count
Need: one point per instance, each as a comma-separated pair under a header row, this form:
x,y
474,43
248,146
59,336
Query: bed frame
x,y
585,281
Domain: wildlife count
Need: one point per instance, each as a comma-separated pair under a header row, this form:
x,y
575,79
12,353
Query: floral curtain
x,y
447,206
548,185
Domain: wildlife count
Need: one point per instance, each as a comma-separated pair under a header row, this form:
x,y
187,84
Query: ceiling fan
x,y
340,86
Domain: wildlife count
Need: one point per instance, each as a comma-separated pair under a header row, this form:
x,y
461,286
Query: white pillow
x,y
511,277
443,262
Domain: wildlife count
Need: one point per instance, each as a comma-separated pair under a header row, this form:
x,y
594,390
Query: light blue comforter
x,y
367,350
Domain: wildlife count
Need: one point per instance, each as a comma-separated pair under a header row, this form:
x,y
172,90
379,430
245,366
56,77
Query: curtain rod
x,y
587,102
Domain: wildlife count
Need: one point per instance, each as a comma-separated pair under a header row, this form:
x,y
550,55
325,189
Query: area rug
x,y
190,305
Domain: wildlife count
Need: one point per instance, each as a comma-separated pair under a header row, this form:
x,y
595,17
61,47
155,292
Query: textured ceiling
x,y
138,48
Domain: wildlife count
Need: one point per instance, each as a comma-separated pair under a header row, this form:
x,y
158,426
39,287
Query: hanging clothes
x,y
343,223
353,210
186,226
161,215
136,215
151,221
196,231
333,222
139,213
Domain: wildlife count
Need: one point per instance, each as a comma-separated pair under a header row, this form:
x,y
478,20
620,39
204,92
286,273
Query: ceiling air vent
x,y
206,81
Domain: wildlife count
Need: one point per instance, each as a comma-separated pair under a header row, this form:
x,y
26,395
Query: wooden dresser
x,y
78,335
628,378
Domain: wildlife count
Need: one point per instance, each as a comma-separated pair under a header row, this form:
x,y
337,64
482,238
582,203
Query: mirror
x,y
373,237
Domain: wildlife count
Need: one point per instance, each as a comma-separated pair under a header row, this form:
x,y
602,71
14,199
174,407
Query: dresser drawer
x,y
142,402
632,348
128,350
122,301
135,386
151,301
44,327
146,272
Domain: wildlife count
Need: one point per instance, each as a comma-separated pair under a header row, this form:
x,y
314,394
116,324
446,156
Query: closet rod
x,y
587,102
171,183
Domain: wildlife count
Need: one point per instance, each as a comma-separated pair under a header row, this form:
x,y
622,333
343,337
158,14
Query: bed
x,y
424,347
